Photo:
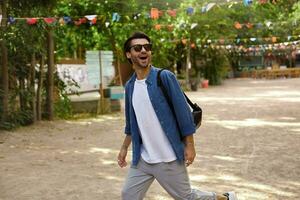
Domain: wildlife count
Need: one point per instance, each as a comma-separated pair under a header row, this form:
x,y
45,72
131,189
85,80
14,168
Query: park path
x,y
249,143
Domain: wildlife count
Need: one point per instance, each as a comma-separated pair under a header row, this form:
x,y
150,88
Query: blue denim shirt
x,y
164,113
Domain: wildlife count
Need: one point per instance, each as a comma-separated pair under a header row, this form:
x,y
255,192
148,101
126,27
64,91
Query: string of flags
x,y
154,14
249,41
278,48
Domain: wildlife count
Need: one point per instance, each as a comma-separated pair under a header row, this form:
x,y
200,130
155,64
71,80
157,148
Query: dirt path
x,y
249,142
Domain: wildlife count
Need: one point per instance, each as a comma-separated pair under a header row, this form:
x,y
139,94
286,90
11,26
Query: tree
x,y
4,95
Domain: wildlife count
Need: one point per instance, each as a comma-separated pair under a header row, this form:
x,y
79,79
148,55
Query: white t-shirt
x,y
156,146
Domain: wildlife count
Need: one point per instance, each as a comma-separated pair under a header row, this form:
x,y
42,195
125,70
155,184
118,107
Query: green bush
x,y
16,119
216,66
63,108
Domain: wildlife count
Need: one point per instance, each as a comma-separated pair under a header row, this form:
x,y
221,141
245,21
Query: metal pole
x,y
188,64
101,86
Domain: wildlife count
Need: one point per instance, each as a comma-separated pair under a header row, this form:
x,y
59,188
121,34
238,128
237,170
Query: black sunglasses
x,y
139,47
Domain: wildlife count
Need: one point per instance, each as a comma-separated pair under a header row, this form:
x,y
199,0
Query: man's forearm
x,y
126,142
189,140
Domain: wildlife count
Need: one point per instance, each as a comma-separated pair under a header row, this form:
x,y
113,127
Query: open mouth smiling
x,y
143,57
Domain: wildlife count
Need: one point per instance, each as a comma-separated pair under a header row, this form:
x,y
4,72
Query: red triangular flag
x,y
31,21
50,20
172,13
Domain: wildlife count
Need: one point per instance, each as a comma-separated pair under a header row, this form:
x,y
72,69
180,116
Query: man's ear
x,y
128,55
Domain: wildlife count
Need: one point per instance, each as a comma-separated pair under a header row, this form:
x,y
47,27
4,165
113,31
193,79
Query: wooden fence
x,y
277,73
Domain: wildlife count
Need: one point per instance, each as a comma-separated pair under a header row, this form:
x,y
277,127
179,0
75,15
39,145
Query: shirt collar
x,y
150,77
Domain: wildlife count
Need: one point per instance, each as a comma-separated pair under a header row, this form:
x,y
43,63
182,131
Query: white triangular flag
x,y
91,17
209,6
268,24
193,25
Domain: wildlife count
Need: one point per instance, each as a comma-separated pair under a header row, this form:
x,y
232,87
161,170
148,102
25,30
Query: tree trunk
x,y
22,94
116,51
39,90
32,87
50,76
4,62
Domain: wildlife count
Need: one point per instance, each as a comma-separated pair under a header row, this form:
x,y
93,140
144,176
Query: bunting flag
x,y
194,25
259,25
190,10
247,2
31,21
157,26
137,15
160,13
170,27
263,1
80,21
11,20
115,17
61,21
268,24
67,20
172,13
249,25
50,20
207,7
92,19
237,25
154,13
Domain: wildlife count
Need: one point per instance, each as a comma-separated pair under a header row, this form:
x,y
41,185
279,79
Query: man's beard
x,y
140,64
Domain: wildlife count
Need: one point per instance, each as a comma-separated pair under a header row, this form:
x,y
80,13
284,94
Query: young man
x,y
161,149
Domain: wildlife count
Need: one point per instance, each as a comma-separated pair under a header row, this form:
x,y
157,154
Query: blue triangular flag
x,y
67,19
11,20
115,17
190,10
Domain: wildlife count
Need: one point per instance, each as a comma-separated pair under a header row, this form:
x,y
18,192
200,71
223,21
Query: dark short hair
x,y
135,35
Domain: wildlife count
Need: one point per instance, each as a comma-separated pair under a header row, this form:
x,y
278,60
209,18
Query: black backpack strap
x,y
164,90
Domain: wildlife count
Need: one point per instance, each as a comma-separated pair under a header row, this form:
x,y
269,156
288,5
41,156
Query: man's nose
x,y
143,49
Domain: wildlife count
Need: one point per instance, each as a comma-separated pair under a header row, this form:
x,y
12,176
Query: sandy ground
x,y
249,143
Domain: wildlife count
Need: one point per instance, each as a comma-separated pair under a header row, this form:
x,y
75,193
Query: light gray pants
x,y
172,176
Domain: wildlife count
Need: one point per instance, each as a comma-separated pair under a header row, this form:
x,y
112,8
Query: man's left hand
x,y
189,154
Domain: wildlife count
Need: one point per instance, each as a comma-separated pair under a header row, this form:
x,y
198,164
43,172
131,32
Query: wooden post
x,y
50,75
32,87
39,90
4,62
119,70
188,63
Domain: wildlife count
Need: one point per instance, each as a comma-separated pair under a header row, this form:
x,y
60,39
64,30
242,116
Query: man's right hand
x,y
122,157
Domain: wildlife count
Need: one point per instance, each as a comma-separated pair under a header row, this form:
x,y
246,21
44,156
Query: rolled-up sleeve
x,y
182,110
127,115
